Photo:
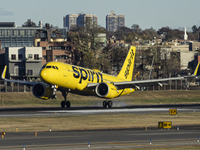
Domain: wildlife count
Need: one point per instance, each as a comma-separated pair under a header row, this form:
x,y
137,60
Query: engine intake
x,y
102,89
106,90
42,91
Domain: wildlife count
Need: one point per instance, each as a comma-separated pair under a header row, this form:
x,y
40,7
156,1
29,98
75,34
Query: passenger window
x,y
56,67
53,67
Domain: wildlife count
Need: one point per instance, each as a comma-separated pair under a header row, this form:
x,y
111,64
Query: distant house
x,y
56,50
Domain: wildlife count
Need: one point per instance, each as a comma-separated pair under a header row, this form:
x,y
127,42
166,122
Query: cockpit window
x,y
48,66
44,66
54,67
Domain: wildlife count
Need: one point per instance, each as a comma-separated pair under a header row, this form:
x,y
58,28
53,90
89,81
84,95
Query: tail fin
x,y
126,72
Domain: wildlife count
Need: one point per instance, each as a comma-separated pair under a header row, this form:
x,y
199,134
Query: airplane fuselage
x,y
76,78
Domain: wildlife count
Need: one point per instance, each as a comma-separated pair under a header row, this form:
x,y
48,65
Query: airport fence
x,y
171,85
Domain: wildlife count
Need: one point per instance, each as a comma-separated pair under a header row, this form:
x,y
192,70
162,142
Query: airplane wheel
x,y
63,104
68,104
110,104
105,104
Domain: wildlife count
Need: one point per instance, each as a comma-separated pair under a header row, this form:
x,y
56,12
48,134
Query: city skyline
x,y
146,13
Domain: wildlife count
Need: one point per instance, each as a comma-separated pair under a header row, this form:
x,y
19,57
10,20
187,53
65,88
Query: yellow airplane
x,y
70,78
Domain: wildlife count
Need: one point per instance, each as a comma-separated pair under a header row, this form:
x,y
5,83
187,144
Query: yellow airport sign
x,y
173,111
165,125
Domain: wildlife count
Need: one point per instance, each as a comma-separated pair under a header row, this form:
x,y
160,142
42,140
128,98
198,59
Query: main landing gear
x,y
65,103
108,104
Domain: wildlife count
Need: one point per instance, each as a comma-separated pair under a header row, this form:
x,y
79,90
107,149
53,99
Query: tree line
x,y
135,33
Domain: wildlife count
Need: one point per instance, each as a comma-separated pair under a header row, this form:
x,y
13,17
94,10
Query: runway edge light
x,y
177,127
150,142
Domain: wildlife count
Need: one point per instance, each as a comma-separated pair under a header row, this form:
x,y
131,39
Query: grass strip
x,y
101,121
22,99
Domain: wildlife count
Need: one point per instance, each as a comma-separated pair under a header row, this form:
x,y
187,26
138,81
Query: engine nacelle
x,y
42,91
106,90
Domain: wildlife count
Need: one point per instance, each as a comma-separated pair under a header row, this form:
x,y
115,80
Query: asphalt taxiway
x,y
56,111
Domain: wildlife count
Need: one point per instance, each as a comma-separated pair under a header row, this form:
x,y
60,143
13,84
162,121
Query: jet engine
x,y
42,91
106,90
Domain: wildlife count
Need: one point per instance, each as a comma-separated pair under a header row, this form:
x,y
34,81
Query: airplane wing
x,y
139,83
16,81
144,83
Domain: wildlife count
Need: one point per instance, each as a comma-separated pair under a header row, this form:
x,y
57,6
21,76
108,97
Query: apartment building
x,y
23,62
70,21
60,51
13,36
79,20
114,22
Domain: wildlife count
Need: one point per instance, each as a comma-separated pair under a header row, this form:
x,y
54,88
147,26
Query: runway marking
x,y
116,110
90,112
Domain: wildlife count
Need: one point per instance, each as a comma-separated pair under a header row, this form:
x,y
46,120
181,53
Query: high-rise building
x,y
70,21
114,22
85,20
79,20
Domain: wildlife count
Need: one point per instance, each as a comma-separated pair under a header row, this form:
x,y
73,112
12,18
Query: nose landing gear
x,y
107,104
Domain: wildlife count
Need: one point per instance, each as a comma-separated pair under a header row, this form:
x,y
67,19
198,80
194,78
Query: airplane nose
x,y
43,74
47,75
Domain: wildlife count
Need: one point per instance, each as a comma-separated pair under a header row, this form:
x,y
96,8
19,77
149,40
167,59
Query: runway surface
x,y
56,111
102,139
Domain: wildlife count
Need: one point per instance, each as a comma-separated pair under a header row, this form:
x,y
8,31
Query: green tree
x,y
86,47
112,58
149,34
194,29
136,28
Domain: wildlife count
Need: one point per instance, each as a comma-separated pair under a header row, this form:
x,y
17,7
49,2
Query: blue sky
x,y
146,13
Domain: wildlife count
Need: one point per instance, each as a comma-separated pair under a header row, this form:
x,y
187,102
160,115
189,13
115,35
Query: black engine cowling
x,y
42,91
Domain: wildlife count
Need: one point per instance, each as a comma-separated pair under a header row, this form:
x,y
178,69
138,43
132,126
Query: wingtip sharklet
x,y
196,70
4,73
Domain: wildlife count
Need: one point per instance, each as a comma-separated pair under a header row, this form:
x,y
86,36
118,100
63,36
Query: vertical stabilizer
x,y
126,72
